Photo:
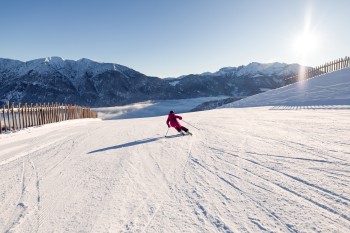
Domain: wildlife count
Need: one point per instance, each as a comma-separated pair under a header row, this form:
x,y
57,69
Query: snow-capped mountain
x,y
83,82
258,69
237,81
68,68
91,83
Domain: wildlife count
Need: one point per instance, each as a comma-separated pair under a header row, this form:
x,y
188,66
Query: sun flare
x,y
306,42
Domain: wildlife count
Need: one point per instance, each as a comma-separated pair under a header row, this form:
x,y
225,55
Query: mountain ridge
x,y
91,83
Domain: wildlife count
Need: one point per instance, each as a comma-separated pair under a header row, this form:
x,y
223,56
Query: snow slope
x,y
245,170
327,89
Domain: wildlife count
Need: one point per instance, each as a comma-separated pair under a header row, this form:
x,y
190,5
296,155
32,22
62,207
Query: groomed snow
x,y
246,170
327,89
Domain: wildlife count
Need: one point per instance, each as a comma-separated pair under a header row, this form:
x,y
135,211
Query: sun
x,y
306,42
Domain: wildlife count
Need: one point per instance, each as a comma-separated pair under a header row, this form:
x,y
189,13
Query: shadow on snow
x,y
138,142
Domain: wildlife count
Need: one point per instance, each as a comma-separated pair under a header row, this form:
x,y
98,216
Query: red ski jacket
x,y
172,119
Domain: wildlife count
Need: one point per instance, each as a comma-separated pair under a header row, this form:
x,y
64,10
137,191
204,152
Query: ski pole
x,y
190,124
167,132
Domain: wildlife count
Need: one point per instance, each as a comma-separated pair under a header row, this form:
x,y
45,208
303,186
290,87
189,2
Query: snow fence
x,y
20,117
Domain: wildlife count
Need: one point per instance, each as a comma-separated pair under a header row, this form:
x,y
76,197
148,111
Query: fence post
x,y
345,62
31,115
331,66
48,113
70,109
3,113
52,112
342,63
37,114
337,64
64,112
55,111
16,121
22,116
0,123
30,122
28,116
61,112
8,114
41,114
67,112
25,116
19,116
13,117
44,113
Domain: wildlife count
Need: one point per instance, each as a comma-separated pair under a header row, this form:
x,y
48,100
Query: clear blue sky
x,y
169,38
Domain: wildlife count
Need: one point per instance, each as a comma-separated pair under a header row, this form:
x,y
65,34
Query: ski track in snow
x,y
245,170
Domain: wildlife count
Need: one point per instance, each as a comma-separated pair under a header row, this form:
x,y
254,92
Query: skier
x,y
172,119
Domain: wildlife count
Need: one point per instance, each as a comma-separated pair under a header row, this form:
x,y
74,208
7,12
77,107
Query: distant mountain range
x,y
95,84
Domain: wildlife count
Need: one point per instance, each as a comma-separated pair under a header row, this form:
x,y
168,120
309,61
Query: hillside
x,y
327,89
246,170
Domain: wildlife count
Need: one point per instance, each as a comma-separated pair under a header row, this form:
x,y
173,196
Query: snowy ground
x,y
327,89
284,168
246,170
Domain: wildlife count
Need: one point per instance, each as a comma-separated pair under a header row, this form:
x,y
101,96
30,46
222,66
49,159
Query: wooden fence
x,y
326,68
16,118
